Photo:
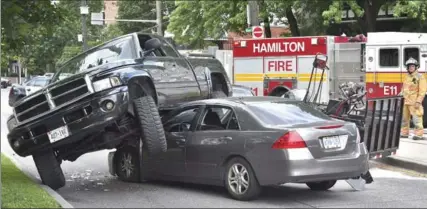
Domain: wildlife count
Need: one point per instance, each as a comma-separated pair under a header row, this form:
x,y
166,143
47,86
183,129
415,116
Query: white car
x,y
35,84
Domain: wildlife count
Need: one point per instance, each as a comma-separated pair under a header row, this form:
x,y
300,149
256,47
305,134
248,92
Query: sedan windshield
x,y
272,113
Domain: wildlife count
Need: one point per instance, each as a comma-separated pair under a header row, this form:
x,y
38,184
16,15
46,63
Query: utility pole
x,y
252,11
84,29
159,17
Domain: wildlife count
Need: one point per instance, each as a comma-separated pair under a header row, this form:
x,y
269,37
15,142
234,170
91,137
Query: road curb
x,y
61,201
405,164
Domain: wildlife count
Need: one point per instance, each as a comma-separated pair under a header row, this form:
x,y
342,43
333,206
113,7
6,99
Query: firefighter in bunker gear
x,y
414,89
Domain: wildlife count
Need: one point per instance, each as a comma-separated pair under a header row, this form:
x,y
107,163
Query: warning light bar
x,y
239,44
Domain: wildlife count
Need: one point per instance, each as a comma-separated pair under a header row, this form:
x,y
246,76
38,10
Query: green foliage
x,y
411,9
36,32
142,10
110,32
20,18
192,21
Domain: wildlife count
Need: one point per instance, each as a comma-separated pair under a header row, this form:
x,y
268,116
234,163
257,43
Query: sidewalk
x,y
411,155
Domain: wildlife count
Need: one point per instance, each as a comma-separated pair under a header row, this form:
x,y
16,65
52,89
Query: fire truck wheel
x,y
218,94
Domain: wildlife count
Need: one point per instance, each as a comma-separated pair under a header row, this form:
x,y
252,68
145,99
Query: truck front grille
x,y
32,107
68,91
52,98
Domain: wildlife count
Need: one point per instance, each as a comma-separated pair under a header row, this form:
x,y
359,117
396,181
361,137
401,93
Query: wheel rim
x,y
238,179
126,164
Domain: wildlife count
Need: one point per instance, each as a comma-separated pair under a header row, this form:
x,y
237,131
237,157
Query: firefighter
x,y
413,91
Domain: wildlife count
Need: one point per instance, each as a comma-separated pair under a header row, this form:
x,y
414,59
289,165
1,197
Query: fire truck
x,y
273,66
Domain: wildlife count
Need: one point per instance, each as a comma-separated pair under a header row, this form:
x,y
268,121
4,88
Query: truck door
x,y
384,73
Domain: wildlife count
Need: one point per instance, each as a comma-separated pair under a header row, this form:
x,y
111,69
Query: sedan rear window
x,y
273,113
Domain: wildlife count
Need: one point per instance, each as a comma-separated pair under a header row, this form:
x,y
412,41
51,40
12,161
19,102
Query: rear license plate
x,y
58,134
331,142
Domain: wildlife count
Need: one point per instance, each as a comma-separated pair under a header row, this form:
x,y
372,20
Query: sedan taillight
x,y
289,140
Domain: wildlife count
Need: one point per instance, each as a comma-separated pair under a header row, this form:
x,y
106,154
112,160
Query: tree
x,y
285,9
366,12
20,18
413,9
193,21
142,10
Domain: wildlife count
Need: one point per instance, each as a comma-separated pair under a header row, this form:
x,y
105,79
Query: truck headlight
x,y
106,83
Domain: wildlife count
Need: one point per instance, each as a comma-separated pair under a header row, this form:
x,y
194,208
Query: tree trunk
x,y
267,27
293,24
371,8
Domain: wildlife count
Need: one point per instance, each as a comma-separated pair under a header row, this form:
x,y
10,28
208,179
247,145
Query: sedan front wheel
x,y
240,180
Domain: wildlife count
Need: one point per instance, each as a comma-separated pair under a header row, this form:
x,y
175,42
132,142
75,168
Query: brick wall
x,y
110,9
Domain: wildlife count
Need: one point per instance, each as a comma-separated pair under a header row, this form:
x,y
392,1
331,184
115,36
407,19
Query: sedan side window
x,y
181,121
218,118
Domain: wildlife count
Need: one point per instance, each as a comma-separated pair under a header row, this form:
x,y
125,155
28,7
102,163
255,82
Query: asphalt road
x,y
90,185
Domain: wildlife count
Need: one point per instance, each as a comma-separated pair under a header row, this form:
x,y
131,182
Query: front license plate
x,y
58,134
331,142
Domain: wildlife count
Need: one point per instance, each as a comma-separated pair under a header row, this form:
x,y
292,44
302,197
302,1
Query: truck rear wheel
x,y
148,117
49,169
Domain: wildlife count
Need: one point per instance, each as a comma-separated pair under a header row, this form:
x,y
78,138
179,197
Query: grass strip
x,y
19,191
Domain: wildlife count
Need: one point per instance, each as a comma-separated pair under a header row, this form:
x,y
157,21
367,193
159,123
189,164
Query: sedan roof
x,y
233,101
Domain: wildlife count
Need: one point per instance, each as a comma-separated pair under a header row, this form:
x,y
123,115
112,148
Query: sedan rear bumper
x,y
302,168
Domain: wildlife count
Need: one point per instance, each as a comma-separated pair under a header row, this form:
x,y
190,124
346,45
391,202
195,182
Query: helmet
x,y
411,61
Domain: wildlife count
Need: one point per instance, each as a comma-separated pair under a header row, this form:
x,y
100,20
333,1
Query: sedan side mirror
x,y
151,45
184,127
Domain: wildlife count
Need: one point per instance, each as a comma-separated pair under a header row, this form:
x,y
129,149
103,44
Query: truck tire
x,y
49,169
126,162
152,132
218,94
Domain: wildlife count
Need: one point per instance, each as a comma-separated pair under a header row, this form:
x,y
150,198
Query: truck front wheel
x,y
49,169
148,118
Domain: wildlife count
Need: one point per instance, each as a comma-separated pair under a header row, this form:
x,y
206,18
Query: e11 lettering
x,y
390,90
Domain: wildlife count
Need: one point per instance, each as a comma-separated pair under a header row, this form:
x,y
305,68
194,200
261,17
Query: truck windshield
x,y
109,52
272,113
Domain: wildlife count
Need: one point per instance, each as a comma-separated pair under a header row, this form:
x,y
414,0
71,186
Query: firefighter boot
x,y
406,116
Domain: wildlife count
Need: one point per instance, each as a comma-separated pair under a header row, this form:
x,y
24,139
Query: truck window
x,y
389,57
111,52
413,52
166,49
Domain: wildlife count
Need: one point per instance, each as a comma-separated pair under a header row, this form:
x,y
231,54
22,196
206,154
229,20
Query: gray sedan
x,y
244,143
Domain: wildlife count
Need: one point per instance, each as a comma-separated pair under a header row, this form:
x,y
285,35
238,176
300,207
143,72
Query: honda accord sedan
x,y
244,143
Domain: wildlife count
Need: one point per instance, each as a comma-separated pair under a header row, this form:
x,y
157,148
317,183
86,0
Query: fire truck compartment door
x,y
370,59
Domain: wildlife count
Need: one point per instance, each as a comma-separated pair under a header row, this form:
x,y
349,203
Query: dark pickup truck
x,y
107,97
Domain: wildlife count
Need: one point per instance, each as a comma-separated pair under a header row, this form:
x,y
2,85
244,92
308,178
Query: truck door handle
x,y
28,89
228,138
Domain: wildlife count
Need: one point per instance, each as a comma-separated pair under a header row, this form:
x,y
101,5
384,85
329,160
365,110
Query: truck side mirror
x,y
151,45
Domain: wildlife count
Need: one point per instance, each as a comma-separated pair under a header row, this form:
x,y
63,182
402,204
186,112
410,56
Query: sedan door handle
x,y
180,141
228,138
